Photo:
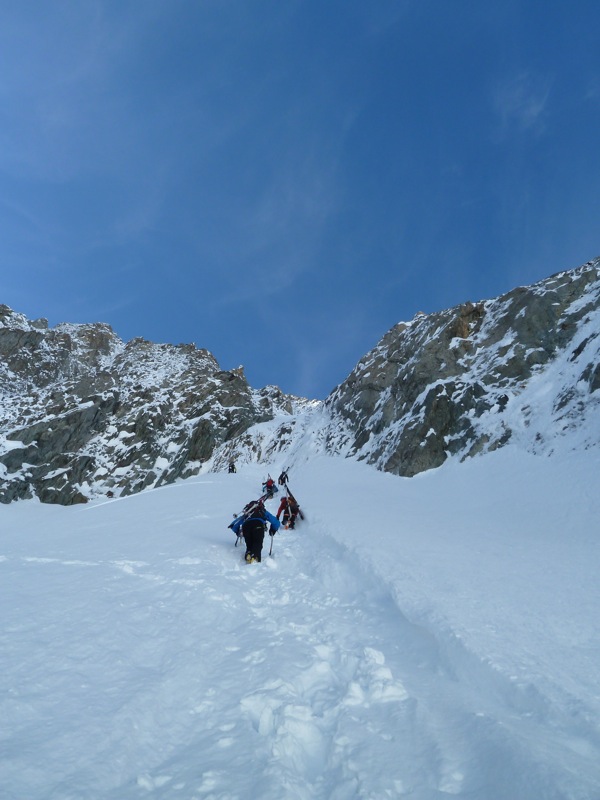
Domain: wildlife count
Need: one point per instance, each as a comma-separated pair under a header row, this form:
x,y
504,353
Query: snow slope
x,y
418,638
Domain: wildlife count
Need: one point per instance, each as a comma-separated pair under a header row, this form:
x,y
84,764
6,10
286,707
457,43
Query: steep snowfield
x,y
417,638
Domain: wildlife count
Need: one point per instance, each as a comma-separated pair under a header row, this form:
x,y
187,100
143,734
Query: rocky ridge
x,y
522,368
85,414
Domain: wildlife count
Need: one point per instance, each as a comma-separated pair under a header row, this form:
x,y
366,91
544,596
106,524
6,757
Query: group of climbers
x,y
251,524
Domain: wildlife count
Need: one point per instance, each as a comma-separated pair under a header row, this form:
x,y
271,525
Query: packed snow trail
x,y
141,658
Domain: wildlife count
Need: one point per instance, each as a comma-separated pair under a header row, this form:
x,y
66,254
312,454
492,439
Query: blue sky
x,y
282,181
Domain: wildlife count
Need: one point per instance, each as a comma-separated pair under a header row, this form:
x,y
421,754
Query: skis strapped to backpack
x,y
293,500
249,509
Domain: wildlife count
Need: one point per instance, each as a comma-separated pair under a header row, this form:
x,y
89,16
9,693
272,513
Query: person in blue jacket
x,y
252,524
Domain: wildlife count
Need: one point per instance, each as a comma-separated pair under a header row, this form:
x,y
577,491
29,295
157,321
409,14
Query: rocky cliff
x,y
522,368
82,412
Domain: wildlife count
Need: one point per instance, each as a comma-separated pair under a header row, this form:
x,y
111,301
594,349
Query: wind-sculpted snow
x,y
377,654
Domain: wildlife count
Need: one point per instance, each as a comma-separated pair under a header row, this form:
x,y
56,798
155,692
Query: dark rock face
x,y
84,414
464,380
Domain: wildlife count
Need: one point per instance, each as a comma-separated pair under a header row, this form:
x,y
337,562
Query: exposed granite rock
x,y
84,413
430,387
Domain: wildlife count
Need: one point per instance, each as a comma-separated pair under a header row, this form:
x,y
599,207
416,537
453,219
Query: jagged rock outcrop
x,y
84,413
474,377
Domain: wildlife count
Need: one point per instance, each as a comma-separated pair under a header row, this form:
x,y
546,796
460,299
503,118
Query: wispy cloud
x,y
62,109
592,93
521,103
278,229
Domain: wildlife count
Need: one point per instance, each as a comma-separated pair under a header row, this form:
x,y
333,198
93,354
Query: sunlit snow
x,y
420,638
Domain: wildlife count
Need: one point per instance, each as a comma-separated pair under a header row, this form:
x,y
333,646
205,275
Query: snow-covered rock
x,y
524,368
84,414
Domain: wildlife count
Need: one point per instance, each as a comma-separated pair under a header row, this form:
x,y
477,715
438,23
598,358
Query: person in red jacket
x,y
290,510
269,488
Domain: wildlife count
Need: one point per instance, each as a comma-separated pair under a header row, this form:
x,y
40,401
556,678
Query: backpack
x,y
254,517
254,508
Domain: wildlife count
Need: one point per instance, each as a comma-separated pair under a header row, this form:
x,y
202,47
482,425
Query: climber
x,y
269,488
290,509
283,478
252,526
